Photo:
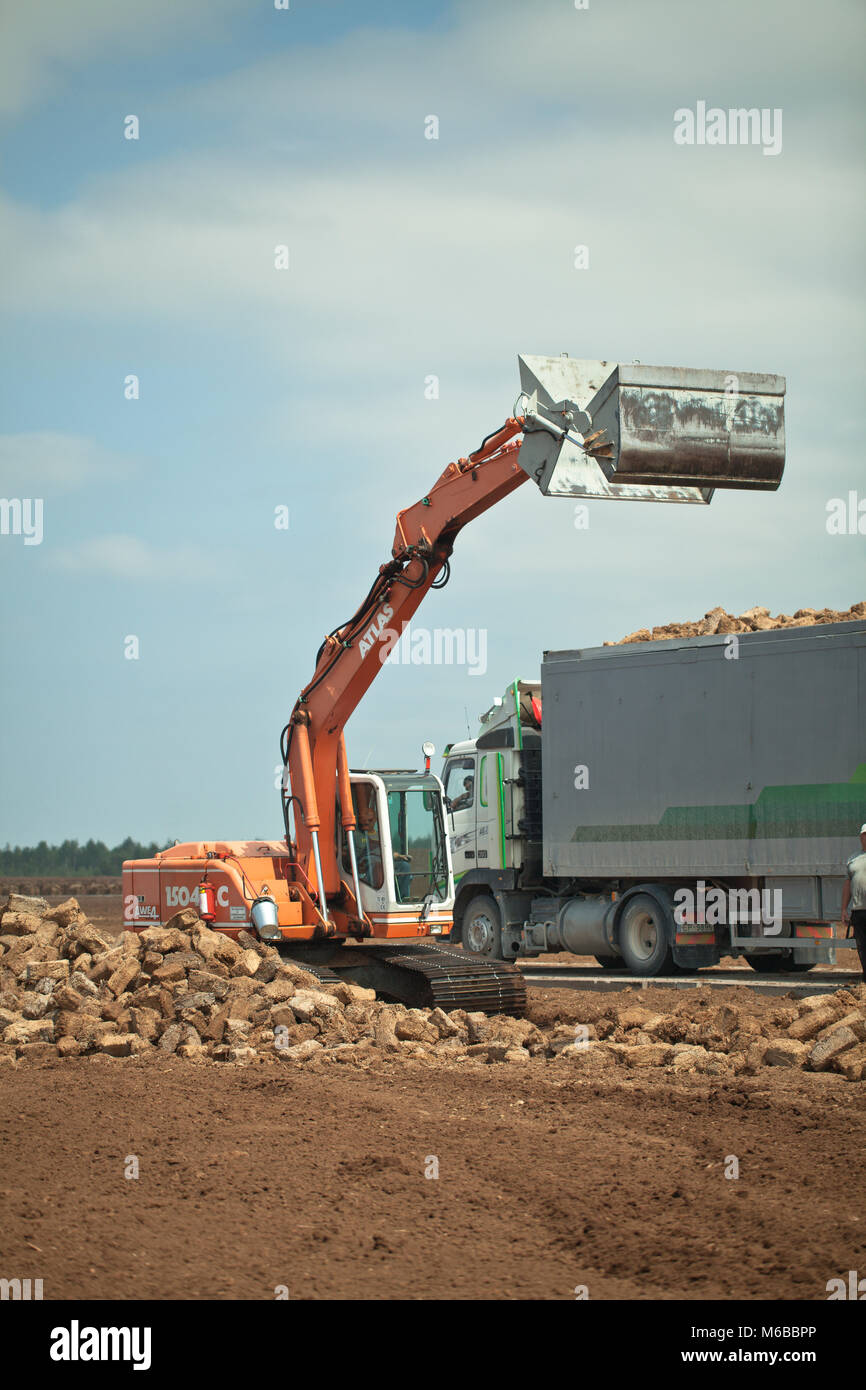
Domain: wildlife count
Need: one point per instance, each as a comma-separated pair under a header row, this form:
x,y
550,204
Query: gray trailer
x,y
666,802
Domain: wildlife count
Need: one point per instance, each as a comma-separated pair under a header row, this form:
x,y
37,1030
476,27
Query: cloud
x,y
399,255
42,44
43,463
321,147
412,257
492,69
130,558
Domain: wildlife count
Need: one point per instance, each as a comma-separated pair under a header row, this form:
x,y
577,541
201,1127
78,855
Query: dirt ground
x,y
315,1179
321,1179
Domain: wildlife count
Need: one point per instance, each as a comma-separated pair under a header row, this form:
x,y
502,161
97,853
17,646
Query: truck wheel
x,y
777,963
482,927
643,937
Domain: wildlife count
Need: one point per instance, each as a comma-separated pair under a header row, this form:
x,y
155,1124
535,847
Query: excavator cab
x,y
402,853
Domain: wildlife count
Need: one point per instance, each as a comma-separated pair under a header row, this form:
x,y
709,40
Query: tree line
x,y
94,857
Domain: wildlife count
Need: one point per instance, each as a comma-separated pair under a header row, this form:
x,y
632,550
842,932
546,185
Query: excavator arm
x,y
588,429
351,656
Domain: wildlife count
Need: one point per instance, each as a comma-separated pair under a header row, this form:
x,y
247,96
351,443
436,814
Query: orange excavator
x,y
361,886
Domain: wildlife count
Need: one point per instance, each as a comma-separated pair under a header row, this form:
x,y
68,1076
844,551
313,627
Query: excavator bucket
x,y
649,434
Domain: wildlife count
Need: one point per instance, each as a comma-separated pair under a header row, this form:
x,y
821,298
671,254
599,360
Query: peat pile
x,y
68,989
753,620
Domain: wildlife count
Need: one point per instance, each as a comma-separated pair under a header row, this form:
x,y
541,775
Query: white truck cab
x,y
493,803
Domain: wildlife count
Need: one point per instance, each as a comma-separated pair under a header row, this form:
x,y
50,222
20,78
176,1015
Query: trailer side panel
x,y
706,757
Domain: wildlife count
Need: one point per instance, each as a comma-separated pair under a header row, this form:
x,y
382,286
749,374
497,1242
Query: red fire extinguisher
x,y
206,901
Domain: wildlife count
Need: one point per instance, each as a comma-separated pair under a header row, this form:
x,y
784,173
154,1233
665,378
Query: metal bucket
x,y
652,434
264,918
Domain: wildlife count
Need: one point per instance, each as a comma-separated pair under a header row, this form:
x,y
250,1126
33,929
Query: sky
x,y
153,643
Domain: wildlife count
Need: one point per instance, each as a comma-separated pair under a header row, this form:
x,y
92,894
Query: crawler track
x,y
461,980
424,975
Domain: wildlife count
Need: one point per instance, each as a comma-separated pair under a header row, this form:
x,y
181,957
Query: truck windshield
x,y
418,843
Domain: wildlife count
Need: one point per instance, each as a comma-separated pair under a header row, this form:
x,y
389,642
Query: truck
x,y
360,884
658,805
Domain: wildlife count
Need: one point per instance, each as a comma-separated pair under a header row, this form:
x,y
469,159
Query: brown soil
x,y
551,1175
314,1179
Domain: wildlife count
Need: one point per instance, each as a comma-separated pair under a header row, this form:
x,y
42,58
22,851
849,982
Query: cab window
x,y
368,842
460,784
417,844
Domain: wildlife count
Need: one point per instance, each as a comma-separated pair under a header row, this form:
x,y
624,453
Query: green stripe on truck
x,y
779,813
501,809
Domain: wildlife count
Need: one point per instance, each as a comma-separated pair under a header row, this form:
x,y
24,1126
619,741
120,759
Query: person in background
x,y
367,842
461,802
854,898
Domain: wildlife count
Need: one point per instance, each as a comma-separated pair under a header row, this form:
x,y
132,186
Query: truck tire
x,y
481,928
777,963
643,937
